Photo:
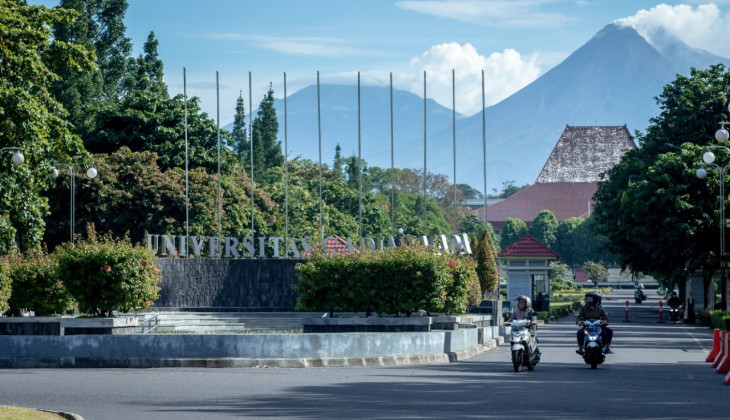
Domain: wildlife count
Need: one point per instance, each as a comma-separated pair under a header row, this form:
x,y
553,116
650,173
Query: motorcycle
x,y
593,346
524,347
674,313
639,297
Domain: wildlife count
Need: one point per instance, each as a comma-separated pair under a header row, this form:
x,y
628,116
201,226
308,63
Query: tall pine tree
x,y
240,137
146,73
266,149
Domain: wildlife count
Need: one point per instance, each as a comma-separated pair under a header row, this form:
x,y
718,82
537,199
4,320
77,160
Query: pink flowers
x,y
452,264
107,267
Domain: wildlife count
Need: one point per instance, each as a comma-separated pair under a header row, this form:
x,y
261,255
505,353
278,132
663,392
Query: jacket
x,y
592,312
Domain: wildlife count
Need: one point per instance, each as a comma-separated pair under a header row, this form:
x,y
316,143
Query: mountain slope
x,y
611,80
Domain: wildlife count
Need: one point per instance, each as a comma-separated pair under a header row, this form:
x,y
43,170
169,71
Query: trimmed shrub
x,y
400,280
105,275
37,286
720,319
5,286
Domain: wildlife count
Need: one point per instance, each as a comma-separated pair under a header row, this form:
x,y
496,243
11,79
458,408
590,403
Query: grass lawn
x,y
20,413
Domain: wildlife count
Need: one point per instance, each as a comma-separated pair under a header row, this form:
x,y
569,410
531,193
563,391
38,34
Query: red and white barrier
x,y
724,365
723,350
716,344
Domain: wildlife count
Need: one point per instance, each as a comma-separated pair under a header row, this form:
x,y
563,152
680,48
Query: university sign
x,y
279,247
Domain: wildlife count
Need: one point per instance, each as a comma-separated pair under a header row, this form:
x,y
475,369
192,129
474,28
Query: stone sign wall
x,y
227,284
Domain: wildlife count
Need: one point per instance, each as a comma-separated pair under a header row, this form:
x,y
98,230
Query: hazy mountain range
x,y
610,80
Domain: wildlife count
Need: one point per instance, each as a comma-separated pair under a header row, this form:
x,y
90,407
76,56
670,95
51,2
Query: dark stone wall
x,y
227,284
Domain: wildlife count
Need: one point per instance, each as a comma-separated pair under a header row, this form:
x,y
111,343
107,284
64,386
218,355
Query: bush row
x,y
720,319
399,280
97,275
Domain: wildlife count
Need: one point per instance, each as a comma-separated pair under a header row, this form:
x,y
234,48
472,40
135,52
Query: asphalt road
x,y
657,372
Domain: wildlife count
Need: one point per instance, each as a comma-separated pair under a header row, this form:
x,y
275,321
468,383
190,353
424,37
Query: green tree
x,y
565,244
146,73
99,27
595,271
513,230
239,134
659,218
487,264
31,117
544,228
266,149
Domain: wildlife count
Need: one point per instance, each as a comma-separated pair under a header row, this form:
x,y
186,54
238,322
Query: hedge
x,y
399,280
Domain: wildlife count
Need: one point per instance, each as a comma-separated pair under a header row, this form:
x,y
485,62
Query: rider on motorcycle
x,y
674,301
593,310
524,311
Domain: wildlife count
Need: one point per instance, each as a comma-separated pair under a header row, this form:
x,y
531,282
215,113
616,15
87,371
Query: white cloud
x,y
504,74
500,13
700,27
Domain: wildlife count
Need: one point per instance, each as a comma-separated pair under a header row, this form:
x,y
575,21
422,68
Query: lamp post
x,y
91,173
17,158
722,136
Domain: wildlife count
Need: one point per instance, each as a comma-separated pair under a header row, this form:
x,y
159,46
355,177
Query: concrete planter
x,y
104,326
30,325
370,324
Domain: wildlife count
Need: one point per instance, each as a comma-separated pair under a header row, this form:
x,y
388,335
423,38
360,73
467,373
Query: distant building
x,y
569,179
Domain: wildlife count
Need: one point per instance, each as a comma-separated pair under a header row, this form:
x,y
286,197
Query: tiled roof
x,y
569,179
564,199
584,152
527,246
336,245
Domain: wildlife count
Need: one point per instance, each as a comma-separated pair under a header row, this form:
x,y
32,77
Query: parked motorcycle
x,y
593,345
524,347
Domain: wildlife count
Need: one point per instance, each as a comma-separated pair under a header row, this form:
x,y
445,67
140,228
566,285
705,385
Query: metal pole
x,y
425,226
319,138
187,193
286,175
218,122
73,202
484,149
392,169
453,127
359,160
723,280
250,136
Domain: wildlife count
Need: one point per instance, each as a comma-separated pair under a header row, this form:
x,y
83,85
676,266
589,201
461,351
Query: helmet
x,y
528,302
593,298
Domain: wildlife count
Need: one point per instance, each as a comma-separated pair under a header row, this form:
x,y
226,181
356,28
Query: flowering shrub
x,y
37,286
106,275
399,280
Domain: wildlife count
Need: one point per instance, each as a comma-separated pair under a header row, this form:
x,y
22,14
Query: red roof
x,y
336,245
527,246
564,199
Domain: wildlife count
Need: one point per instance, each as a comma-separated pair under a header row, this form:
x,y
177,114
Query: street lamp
x,y
17,158
91,173
722,136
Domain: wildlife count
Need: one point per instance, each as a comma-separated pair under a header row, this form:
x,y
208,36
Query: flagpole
x,y
250,133
187,192
484,149
319,137
359,159
425,226
392,169
453,125
286,174
218,122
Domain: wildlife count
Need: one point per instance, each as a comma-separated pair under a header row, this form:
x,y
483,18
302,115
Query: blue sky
x,y
513,41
